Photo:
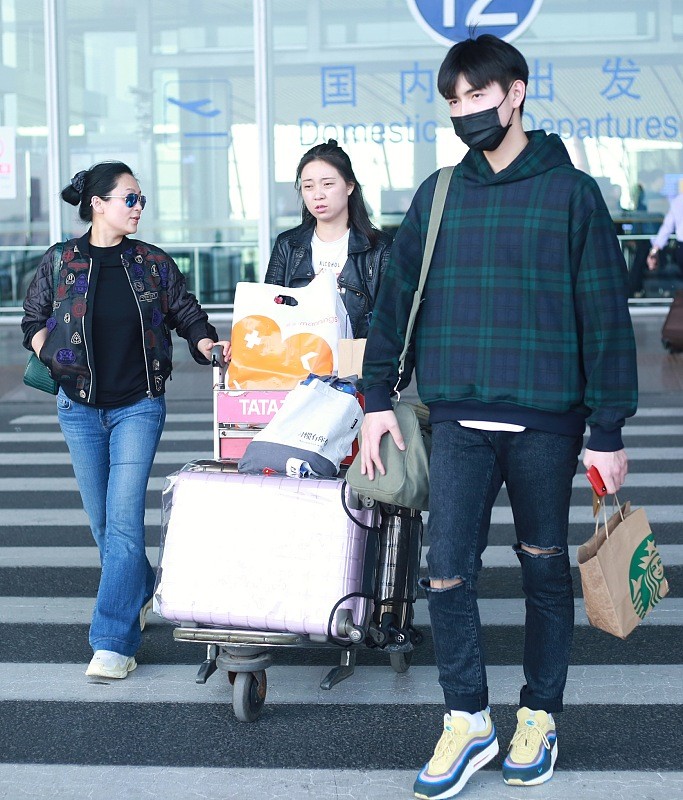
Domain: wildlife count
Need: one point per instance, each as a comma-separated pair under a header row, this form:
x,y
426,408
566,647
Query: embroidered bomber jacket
x,y
162,298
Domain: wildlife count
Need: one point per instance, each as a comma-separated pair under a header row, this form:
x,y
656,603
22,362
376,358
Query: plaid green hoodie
x,y
524,317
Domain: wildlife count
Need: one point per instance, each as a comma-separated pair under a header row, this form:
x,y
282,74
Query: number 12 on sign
x,y
478,15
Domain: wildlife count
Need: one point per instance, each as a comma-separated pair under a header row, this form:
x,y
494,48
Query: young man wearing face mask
x,y
523,338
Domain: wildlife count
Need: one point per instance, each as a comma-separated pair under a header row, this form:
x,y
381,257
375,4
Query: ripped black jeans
x,y
468,468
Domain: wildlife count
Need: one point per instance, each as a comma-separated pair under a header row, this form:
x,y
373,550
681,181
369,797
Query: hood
x,y
544,152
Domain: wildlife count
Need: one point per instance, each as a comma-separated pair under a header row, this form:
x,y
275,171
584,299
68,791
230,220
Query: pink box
x,y
233,449
251,407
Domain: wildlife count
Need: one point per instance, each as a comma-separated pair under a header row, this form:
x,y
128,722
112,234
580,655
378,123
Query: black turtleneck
x,y
118,354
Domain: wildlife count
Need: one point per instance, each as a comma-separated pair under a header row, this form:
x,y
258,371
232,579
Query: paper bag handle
x,y
601,504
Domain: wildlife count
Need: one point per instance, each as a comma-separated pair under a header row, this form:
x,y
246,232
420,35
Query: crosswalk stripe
x,y
163,456
586,684
495,556
204,435
37,458
78,557
202,418
668,413
58,485
631,431
642,480
78,610
77,781
169,435
68,517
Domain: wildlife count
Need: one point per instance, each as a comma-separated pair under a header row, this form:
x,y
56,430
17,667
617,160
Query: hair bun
x,y
332,143
78,181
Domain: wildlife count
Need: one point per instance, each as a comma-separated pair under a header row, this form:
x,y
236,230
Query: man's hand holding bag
x,y
405,481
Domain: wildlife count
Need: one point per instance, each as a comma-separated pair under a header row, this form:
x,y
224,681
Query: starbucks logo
x,y
646,575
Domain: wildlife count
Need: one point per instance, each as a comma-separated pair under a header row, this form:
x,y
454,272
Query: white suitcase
x,y
260,552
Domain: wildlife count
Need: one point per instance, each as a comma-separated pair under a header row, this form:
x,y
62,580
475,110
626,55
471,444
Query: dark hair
x,y
331,153
482,61
97,181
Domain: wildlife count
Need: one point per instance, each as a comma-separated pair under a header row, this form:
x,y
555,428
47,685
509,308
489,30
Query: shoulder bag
x,y
36,374
406,482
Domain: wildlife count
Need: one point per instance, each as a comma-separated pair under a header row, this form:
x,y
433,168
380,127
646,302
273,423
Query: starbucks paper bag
x,y
621,572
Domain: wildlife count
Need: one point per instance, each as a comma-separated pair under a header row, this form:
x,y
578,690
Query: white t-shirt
x,y
330,255
485,425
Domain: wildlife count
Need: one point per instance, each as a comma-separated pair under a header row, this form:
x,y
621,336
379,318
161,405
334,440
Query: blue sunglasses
x,y
131,199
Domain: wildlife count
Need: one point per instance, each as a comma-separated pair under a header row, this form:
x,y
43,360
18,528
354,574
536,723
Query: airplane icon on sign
x,y
195,106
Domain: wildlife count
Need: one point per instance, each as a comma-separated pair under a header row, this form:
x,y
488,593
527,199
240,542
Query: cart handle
x,y
217,359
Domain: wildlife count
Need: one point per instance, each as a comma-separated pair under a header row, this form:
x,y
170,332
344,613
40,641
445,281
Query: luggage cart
x,y
389,575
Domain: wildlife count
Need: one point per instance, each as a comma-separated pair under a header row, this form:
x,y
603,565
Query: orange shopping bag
x,y
276,344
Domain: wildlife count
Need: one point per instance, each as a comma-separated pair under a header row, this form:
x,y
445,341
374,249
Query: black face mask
x,y
482,130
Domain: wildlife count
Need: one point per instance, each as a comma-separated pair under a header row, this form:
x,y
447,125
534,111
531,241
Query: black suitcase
x,y
672,330
396,582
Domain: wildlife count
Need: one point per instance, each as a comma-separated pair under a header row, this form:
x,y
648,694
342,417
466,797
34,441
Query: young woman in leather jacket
x,y
335,233
105,336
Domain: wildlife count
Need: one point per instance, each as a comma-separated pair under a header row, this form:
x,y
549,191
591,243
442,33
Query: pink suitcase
x,y
259,552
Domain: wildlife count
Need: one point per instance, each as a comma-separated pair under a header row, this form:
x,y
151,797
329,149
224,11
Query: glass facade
x,y
212,103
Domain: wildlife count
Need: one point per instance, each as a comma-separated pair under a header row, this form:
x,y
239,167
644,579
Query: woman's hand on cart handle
x,y
206,346
221,353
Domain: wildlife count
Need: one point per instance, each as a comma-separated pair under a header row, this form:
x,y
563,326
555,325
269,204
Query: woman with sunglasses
x,y
335,234
105,336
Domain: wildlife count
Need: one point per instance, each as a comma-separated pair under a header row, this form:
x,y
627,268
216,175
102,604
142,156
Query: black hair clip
x,y
78,181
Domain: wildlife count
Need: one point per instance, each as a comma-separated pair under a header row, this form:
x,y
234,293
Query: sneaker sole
x,y
144,611
481,761
541,778
95,672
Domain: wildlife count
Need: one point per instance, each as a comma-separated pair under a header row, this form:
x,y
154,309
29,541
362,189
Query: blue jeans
x,y
467,469
112,451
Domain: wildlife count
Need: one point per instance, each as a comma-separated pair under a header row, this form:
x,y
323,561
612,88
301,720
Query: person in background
x,y
641,247
523,338
106,339
671,226
335,234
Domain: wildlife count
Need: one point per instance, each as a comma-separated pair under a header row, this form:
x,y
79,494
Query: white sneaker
x,y
108,664
144,611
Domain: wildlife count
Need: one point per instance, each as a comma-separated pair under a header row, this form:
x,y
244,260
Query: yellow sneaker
x,y
458,755
533,750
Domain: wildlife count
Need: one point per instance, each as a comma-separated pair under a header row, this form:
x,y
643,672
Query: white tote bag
x,y
311,433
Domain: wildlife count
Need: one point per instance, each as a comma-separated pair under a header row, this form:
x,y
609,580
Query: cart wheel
x,y
416,637
400,662
249,695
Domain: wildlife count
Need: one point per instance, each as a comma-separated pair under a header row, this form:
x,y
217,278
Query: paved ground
x,y
159,734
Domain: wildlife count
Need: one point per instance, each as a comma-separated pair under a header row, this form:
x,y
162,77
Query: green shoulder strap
x,y
438,203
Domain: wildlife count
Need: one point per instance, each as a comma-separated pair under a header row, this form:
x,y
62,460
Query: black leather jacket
x,y
291,264
162,298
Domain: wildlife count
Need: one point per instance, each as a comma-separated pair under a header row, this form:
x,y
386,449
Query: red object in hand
x,y
596,481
